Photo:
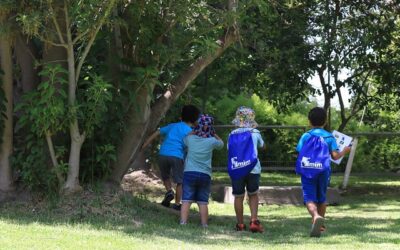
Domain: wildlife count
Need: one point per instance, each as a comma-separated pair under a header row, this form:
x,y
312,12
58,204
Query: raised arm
x,y
217,137
150,139
337,155
220,142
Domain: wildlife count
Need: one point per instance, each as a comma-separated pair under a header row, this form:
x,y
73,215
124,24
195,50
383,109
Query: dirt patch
x,y
89,203
86,205
19,195
274,195
141,182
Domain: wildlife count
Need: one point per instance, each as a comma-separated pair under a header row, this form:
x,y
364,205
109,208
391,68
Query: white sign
x,y
342,141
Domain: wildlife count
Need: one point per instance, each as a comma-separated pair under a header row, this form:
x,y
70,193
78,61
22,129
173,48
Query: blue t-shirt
x,y
173,139
257,142
199,153
328,138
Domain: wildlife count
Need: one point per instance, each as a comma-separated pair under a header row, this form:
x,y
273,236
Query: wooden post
x,y
349,164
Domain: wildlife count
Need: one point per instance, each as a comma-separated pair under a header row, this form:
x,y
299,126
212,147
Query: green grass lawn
x,y
356,180
367,219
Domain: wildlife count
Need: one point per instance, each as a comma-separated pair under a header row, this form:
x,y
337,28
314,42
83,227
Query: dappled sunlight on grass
x,y
291,179
361,221
379,183
375,226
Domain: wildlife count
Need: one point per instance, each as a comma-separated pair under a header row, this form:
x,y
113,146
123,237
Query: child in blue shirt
x,y
197,174
314,189
172,153
245,121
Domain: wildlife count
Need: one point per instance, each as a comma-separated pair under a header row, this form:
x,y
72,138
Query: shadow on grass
x,y
141,218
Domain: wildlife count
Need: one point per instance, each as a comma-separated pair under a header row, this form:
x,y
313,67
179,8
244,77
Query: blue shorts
x,y
250,182
314,190
196,187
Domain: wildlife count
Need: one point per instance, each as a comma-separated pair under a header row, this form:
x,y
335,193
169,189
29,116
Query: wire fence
x,y
376,152
279,154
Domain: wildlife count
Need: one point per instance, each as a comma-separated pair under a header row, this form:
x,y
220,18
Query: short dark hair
x,y
317,116
190,113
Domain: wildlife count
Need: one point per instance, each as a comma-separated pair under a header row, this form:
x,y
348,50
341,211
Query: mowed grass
x,y
290,179
368,218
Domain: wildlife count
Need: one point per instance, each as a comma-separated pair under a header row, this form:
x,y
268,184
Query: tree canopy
x,y
84,82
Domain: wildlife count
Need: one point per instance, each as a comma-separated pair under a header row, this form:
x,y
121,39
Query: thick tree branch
x,y
355,107
80,36
51,42
179,86
56,25
150,118
53,157
347,53
162,105
325,88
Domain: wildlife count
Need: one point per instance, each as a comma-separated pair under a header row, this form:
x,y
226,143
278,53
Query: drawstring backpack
x,y
242,157
314,157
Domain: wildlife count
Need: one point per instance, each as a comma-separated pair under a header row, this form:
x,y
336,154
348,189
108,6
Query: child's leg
x,y
203,209
252,191
178,193
309,187
321,209
238,191
202,195
323,183
165,166
188,196
253,204
185,212
253,185
177,174
314,194
317,220
313,210
167,184
239,209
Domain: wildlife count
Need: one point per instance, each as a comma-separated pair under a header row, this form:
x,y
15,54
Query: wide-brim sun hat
x,y
245,118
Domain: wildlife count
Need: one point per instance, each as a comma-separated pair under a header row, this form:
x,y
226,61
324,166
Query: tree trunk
x,y
54,160
137,129
72,183
134,135
139,162
325,89
343,124
115,48
6,144
74,69
26,55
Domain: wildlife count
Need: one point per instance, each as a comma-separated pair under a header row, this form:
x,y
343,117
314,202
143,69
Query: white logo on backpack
x,y
305,163
239,164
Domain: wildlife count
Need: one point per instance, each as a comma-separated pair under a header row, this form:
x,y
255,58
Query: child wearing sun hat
x,y
197,173
245,121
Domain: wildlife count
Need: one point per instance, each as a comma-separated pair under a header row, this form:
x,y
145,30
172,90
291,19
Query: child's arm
x,y
261,143
220,142
337,155
150,139
217,137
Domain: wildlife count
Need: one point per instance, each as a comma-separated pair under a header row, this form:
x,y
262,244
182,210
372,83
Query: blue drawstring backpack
x,y
314,157
242,157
